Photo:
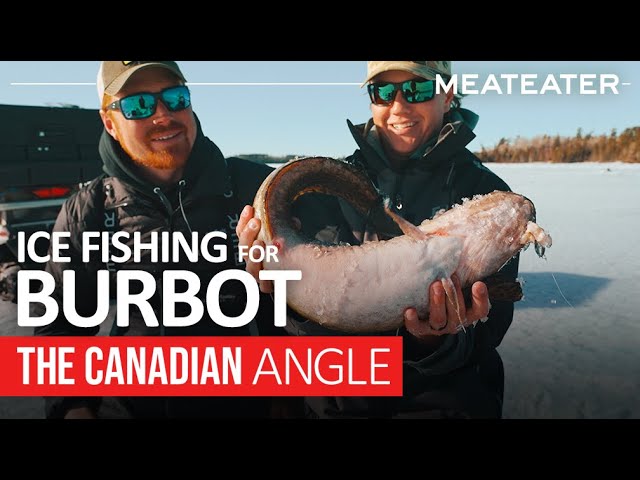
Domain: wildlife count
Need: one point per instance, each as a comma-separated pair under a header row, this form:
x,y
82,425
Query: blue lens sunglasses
x,y
143,105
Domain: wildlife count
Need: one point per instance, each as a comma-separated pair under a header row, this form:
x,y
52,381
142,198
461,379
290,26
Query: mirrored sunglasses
x,y
414,91
143,105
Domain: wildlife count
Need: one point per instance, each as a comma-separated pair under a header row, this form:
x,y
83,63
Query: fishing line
x,y
565,298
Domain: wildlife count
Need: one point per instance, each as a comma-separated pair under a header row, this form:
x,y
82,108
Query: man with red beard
x,y
162,174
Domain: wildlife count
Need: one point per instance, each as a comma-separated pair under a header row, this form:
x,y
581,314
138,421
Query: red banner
x,y
201,366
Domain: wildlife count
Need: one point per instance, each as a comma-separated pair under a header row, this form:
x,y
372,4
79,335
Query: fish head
x,y
495,226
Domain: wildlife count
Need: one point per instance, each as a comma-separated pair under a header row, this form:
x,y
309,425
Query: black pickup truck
x,y
46,154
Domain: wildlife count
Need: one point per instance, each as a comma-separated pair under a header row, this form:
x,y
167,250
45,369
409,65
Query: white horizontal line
x,y
199,84
274,84
626,83
47,84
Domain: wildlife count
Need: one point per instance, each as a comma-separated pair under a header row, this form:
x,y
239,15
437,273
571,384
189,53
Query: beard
x,y
143,155
162,160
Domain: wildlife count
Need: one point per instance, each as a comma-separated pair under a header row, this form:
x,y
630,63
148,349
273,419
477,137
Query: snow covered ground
x,y
573,350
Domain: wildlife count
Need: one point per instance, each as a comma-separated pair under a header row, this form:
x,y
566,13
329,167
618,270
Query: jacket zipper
x,y
398,196
181,185
167,205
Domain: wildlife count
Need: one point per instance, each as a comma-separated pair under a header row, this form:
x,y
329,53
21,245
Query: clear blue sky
x,y
311,119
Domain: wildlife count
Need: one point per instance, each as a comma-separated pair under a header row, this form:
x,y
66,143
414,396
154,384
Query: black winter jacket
x,y
209,197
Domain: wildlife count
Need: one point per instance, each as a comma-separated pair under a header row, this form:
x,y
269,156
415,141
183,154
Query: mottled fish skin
x,y
366,288
495,227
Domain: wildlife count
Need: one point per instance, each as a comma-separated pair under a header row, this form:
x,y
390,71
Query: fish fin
x,y
429,231
407,227
450,292
383,224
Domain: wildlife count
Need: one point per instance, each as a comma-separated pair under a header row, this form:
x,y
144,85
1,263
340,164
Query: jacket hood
x,y
205,157
455,135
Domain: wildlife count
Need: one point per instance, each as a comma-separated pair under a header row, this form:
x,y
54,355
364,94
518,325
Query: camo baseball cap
x,y
113,75
423,69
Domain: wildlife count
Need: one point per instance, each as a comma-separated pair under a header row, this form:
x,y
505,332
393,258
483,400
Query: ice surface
x,y
573,349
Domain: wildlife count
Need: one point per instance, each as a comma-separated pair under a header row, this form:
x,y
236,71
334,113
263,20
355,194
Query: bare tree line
x,y
623,147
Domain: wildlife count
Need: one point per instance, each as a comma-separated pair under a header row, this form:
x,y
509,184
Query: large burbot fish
x,y
366,288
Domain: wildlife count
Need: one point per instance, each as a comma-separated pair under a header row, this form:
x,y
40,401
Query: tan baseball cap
x,y
423,69
113,75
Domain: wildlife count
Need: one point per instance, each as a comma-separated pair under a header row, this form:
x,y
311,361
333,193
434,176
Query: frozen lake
x,y
573,350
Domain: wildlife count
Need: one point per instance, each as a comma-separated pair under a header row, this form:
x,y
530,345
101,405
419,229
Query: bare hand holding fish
x,y
444,316
367,288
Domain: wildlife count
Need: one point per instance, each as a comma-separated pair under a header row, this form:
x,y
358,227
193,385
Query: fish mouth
x,y
538,236
539,248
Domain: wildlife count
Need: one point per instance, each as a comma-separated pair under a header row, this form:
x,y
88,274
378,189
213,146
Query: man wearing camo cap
x,y
414,150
